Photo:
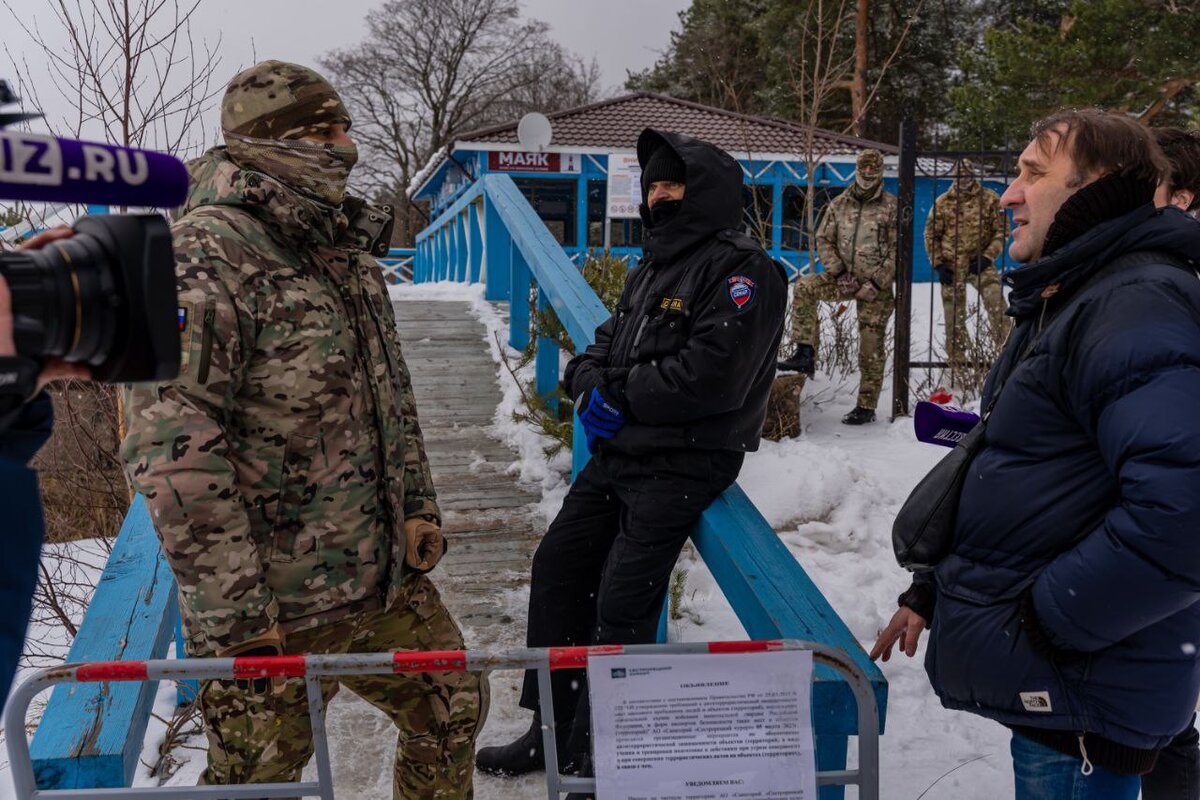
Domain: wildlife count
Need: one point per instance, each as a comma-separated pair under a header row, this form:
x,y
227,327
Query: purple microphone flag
x,y
944,425
52,170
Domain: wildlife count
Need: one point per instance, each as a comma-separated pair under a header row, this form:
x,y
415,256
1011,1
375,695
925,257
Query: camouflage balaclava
x,y
964,175
868,172
265,112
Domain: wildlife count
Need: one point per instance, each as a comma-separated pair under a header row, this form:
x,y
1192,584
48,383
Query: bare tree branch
x,y
429,70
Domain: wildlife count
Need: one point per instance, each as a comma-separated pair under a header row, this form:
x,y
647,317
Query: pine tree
x,y
1135,56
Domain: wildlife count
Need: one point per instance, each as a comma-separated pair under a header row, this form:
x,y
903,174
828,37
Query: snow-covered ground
x,y
832,494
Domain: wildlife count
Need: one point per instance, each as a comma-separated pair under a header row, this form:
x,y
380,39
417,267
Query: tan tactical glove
x,y
867,292
847,284
425,544
268,644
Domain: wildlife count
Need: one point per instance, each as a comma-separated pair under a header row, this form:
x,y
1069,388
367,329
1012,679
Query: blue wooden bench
x,y
91,734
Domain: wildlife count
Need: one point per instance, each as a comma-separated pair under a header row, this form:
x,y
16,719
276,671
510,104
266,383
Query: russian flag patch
x,y
741,291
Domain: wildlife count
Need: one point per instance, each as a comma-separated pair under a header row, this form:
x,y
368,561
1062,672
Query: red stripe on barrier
x,y
577,657
432,661
269,667
112,671
745,647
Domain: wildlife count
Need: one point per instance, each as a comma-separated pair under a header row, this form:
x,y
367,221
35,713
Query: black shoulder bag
x,y
923,532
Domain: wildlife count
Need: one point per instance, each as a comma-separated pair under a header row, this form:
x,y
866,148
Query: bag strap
x,y
1128,260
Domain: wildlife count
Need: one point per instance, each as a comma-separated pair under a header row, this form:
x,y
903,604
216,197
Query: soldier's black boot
x,y
585,771
526,754
859,416
803,359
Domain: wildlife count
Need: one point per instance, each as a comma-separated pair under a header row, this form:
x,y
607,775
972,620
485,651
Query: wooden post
x,y
462,268
518,300
475,236
546,366
497,255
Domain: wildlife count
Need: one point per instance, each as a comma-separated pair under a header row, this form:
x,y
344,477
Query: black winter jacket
x,y
690,352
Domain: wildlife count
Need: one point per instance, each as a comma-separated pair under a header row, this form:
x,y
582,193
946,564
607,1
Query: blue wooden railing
x,y
91,734
492,235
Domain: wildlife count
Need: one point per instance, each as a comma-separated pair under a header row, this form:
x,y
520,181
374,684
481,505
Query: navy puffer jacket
x,y
1087,492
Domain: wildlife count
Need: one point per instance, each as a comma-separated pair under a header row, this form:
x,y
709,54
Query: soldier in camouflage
x,y
964,234
284,469
856,242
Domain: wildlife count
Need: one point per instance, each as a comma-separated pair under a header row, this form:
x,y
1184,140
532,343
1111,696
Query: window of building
x,y
597,202
795,233
756,213
554,202
626,233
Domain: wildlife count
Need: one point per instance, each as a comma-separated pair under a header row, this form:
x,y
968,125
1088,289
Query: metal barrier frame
x,y
314,667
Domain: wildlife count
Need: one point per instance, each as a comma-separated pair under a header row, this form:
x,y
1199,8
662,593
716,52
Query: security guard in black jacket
x,y
672,395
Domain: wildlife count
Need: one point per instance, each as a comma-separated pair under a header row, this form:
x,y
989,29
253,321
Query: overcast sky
x,y
619,34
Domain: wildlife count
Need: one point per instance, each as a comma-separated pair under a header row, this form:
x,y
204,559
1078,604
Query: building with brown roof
x,y
585,184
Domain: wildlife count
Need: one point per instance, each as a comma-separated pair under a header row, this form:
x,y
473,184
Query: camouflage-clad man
x,y
285,469
964,233
856,242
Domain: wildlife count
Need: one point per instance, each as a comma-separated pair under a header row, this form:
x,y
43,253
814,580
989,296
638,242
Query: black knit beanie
x,y
664,164
1107,198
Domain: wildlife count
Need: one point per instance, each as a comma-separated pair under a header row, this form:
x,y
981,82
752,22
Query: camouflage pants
x,y
807,295
954,302
266,738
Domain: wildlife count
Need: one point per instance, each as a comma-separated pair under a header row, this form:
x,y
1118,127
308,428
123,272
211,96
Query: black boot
x,y
526,754
585,771
803,359
859,416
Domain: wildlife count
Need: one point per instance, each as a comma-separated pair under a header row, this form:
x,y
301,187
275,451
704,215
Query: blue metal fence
x,y
511,252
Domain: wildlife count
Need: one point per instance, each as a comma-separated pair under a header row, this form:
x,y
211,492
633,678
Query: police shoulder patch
x,y
741,291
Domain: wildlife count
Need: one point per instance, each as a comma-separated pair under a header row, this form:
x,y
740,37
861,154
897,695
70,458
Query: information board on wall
x,y
703,726
624,186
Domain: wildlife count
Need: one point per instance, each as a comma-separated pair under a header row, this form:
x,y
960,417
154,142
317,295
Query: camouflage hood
x,y
216,180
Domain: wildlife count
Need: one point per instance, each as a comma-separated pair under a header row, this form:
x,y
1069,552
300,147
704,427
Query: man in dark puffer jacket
x,y
1067,607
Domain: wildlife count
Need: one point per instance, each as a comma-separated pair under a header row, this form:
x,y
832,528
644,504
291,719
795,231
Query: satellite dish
x,y
534,132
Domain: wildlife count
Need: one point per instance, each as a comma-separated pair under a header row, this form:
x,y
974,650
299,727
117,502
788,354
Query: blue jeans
x,y
1046,774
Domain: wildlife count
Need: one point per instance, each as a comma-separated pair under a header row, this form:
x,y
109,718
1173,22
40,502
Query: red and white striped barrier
x,y
313,667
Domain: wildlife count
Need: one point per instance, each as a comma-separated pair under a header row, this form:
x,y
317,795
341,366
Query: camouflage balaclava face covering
x,y
868,170
964,175
266,111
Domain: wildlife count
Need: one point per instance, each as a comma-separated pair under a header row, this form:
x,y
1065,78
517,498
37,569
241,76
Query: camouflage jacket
x,y
859,235
964,224
280,466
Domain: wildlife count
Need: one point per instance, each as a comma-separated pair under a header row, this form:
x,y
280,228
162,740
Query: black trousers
x,y
1176,774
600,575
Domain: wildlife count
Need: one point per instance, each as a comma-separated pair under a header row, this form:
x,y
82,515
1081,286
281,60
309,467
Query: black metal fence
x,y
957,353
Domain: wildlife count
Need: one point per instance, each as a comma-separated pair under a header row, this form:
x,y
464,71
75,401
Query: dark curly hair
x,y
1182,149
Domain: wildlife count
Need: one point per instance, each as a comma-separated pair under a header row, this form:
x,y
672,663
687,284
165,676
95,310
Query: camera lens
x,y
64,300
104,297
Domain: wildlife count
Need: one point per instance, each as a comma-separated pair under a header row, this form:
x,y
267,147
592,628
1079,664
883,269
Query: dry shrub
x,y
83,484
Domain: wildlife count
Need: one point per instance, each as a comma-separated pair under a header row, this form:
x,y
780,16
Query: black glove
x,y
18,383
945,273
979,264
1039,640
920,598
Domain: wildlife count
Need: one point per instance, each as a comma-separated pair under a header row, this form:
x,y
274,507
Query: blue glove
x,y
601,419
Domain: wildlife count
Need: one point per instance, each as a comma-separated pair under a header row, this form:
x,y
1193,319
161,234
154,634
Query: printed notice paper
x,y
703,726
